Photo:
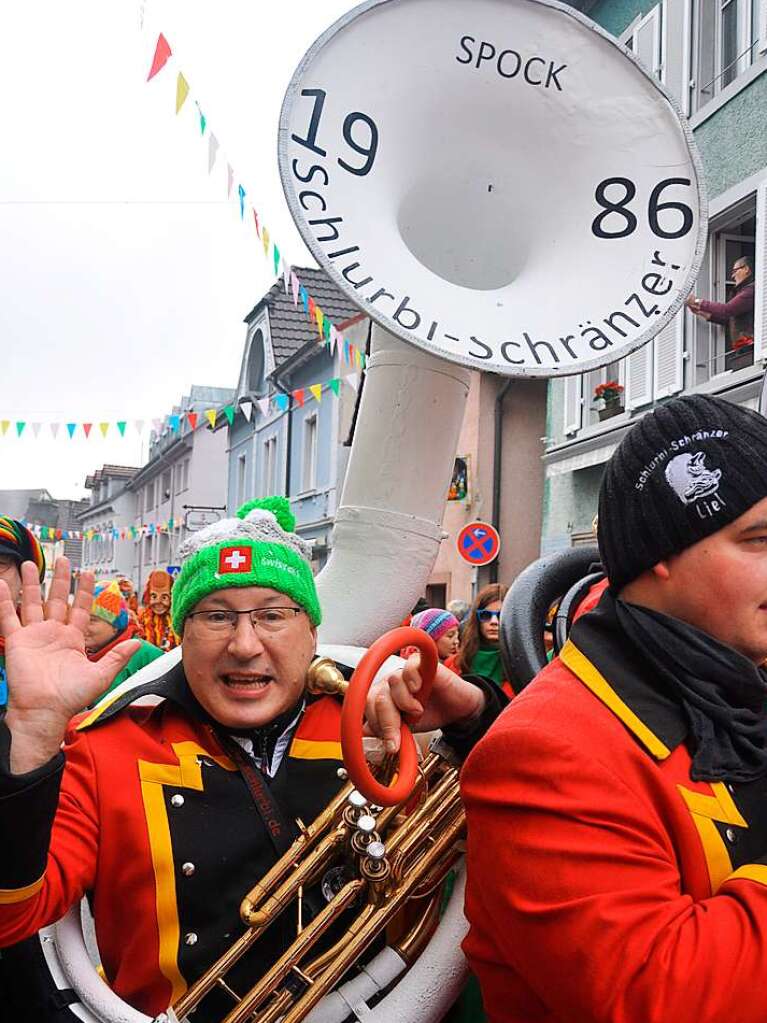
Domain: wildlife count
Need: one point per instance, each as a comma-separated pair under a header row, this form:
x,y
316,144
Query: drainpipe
x,y
497,467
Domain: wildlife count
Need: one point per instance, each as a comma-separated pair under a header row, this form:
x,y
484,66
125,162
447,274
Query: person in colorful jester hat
x,y
154,619
17,544
109,625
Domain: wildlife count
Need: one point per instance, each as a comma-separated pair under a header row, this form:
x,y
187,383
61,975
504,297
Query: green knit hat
x,y
258,548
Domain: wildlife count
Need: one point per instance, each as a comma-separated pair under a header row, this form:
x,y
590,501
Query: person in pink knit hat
x,y
442,626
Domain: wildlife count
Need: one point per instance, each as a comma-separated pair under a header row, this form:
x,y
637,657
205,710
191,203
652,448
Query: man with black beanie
x,y
617,854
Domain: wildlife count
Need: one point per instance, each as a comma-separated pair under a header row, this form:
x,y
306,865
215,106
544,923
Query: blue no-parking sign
x,y
479,543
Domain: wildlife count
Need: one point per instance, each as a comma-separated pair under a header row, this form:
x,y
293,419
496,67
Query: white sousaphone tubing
x,y
495,181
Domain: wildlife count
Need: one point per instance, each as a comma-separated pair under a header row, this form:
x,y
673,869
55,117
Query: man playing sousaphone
x,y
164,815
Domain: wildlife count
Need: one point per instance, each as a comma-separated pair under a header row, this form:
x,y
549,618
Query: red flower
x,y
744,341
608,391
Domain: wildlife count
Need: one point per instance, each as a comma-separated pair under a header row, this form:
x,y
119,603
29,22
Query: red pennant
x,y
258,226
161,54
191,418
87,429
299,397
312,308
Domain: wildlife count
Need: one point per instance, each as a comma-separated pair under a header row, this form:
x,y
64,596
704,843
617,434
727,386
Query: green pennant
x,y
121,427
20,427
326,328
335,386
276,254
229,413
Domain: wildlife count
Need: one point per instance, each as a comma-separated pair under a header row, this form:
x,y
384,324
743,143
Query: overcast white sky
x,y
124,272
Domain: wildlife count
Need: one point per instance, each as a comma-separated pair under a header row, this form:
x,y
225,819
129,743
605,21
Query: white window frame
x,y
309,453
760,303
270,467
639,360
573,404
242,476
654,18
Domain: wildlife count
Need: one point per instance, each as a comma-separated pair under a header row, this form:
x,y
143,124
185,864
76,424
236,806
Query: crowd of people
x,y
616,814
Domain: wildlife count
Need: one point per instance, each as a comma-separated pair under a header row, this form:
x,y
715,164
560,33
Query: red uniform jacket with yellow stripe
x,y
604,884
157,826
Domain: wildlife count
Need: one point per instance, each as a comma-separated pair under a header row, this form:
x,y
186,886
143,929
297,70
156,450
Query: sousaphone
x,y
500,187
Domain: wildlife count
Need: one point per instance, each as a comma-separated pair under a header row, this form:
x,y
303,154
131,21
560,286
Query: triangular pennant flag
x,y
229,413
104,427
299,397
229,180
71,427
335,386
87,427
212,151
352,380
247,408
326,328
363,360
157,425
203,122
258,226
319,316
304,297
121,427
241,192
36,429
4,426
357,357
161,54
182,91
191,418
346,350
139,424
210,415
316,390
174,422
265,240
286,275
276,255
20,427
282,401
263,404
333,339
295,286
55,429
311,307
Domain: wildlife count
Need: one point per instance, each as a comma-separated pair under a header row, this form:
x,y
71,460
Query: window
x,y
270,467
725,43
711,346
148,550
165,491
309,474
256,365
149,497
241,470
592,407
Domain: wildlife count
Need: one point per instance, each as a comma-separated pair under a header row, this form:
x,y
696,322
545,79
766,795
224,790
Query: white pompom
x,y
261,515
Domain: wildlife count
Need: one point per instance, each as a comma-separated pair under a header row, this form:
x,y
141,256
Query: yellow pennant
x,y
103,427
4,426
265,239
316,390
211,416
320,318
182,91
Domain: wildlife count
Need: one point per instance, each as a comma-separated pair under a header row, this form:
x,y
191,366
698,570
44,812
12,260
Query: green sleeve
x,y
145,654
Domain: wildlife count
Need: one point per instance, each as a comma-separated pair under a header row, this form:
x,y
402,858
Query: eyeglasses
x,y
739,266
484,615
263,619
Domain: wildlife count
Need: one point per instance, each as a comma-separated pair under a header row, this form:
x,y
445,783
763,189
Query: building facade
x,y
280,444
112,509
183,484
712,56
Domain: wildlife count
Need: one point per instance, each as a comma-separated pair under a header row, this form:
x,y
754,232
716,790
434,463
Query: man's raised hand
x,y
50,678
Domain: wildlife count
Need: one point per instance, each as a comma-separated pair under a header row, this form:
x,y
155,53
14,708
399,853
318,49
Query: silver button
x,y
357,800
730,834
366,824
376,850
188,869
177,800
191,938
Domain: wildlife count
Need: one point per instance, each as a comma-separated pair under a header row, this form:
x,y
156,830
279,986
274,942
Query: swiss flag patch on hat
x,y
234,560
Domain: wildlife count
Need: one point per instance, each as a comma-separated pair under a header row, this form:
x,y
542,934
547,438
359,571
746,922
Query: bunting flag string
x,y
328,335
54,533
174,423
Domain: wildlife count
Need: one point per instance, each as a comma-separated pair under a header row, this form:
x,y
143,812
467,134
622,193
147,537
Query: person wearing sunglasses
x,y
480,650
170,808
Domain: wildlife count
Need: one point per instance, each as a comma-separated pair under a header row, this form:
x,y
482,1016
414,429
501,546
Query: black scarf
x,y
722,694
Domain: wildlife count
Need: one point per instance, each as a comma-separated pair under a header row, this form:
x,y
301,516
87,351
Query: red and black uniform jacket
x,y
604,884
146,815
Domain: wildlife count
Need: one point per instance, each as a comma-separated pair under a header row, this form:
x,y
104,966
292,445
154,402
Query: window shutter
x,y
676,42
647,41
669,351
573,404
639,377
760,305
762,25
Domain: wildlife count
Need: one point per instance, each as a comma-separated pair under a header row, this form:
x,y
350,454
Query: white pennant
x,y
247,408
264,406
55,429
333,339
139,424
352,380
286,275
36,429
212,151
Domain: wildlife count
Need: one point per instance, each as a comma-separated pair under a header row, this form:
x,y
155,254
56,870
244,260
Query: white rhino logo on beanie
x,y
689,478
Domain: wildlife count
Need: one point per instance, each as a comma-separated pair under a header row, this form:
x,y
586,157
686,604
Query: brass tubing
x,y
287,862
368,931
276,1008
292,957
413,943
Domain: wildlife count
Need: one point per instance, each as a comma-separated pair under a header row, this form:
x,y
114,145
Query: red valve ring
x,y
353,714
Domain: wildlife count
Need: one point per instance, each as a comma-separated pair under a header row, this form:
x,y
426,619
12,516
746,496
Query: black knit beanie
x,y
685,470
